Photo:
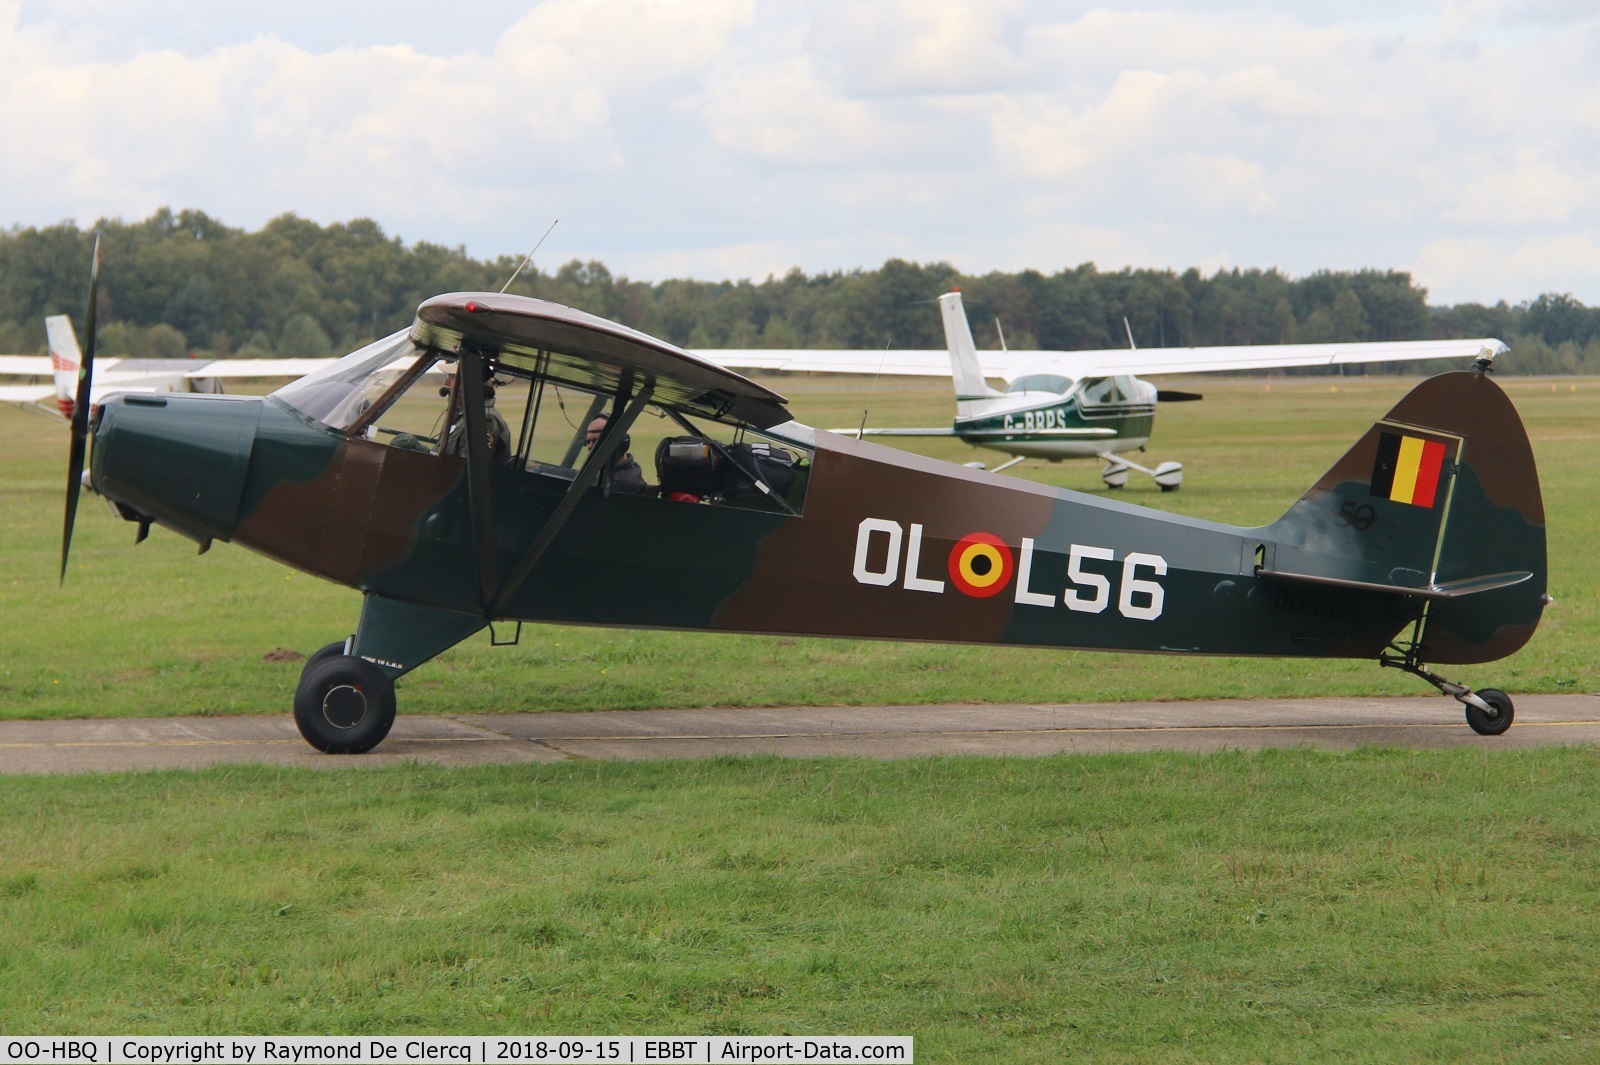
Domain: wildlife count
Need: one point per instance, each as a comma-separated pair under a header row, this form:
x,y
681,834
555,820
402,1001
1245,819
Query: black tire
x,y
326,652
344,705
1170,487
1491,724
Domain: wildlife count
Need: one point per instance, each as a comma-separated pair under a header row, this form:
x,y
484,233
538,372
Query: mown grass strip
x,y
1273,906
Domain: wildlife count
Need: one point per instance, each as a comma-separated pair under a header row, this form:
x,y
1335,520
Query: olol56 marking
x,y
983,565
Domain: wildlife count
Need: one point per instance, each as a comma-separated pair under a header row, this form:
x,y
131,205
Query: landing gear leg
x,y
340,648
1489,711
345,702
1168,475
1008,465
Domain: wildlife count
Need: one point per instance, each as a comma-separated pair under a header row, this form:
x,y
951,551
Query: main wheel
x,y
344,705
1497,722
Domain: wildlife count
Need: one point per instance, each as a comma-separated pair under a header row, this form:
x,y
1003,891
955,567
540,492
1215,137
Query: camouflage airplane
x,y
1424,543
1074,404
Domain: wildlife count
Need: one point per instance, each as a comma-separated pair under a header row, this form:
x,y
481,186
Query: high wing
x,y
580,349
126,375
141,375
1151,361
188,369
1007,365
236,369
902,362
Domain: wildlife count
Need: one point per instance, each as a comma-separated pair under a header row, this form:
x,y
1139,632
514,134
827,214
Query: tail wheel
x,y
1491,724
344,705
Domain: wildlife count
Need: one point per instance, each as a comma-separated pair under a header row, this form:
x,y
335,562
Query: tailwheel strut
x,y
1489,710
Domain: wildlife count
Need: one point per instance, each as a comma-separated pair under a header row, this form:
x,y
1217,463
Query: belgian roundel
x,y
981,564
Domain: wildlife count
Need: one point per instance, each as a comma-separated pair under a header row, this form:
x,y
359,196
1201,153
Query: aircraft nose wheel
x,y
344,704
1497,718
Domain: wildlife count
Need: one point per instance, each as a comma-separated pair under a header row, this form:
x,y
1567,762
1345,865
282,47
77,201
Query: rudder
x,y
965,370
65,359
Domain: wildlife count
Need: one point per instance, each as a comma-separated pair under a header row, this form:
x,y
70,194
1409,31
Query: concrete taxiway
x,y
800,732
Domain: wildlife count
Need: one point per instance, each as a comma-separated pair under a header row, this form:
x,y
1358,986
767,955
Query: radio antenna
x,y
862,431
527,260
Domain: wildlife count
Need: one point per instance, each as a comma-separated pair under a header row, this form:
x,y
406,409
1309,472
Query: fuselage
x,y
1082,419
885,544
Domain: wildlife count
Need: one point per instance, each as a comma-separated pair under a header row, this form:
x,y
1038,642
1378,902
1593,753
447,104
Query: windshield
x,y
339,394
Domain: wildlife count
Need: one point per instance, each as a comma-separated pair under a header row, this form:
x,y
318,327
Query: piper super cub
x,y
1423,543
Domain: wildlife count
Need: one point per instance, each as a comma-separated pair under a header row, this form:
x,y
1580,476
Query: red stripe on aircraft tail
x,y
1428,470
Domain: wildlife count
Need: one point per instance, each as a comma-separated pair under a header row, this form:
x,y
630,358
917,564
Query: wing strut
x,y
480,475
575,448
598,460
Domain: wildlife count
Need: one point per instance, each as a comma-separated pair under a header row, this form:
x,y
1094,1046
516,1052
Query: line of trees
x,y
181,283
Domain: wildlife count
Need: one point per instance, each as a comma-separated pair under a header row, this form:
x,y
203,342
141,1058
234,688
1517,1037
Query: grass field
x,y
1274,906
153,630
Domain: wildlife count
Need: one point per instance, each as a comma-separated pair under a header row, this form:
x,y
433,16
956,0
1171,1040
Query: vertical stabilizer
x,y
964,367
1439,500
65,358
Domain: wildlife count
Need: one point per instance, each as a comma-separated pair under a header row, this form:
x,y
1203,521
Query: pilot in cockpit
x,y
500,449
626,476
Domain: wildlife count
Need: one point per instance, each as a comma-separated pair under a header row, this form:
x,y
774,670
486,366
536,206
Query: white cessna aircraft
x,y
1074,404
124,375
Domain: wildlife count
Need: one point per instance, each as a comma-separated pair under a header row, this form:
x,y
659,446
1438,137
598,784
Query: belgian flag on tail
x,y
1408,469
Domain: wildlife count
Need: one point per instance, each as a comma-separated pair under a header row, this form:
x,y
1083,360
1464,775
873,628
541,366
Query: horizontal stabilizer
x,y
1444,590
26,393
1060,433
866,362
25,366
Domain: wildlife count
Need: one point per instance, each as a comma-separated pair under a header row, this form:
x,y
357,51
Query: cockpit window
x,y
1106,391
1041,382
667,454
539,417
337,395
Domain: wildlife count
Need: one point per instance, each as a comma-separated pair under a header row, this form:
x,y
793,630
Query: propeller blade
x,y
80,414
1167,396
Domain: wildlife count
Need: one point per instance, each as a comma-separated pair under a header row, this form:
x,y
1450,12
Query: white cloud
x,y
745,136
1512,266
1525,190
901,47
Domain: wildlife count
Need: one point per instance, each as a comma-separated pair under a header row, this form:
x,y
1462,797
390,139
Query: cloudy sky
x,y
735,138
